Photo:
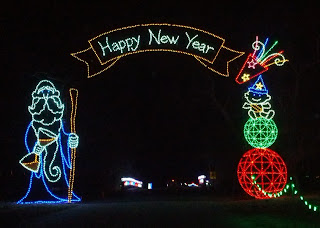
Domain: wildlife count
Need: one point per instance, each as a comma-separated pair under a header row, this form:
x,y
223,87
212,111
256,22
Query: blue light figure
x,y
48,147
257,101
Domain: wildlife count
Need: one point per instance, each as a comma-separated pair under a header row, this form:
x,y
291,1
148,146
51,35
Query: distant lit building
x,y
128,182
201,179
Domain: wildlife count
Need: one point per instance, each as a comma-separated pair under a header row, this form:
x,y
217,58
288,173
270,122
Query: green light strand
x,y
284,190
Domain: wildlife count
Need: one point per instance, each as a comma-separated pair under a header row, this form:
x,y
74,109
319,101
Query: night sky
x,y
158,116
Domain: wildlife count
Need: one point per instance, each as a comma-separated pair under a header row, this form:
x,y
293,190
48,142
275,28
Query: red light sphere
x,y
267,168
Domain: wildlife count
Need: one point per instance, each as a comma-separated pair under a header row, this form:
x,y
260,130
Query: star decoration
x,y
259,86
245,77
252,64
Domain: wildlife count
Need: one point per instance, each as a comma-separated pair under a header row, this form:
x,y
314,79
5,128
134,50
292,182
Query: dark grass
x,y
166,211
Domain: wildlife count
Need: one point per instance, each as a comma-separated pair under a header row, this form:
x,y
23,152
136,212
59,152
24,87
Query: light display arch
x,y
50,164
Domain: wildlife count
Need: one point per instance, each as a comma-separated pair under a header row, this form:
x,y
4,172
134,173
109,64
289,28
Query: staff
x,y
74,97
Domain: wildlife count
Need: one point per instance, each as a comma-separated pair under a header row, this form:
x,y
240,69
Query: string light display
x,y
259,61
289,186
74,98
48,146
260,132
125,47
257,101
269,170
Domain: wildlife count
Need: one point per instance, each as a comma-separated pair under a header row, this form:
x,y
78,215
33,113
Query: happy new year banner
x,y
107,48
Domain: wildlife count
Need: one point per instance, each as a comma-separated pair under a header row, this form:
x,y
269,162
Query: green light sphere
x,y
260,132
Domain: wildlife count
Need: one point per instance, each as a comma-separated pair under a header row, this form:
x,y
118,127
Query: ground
x,y
174,211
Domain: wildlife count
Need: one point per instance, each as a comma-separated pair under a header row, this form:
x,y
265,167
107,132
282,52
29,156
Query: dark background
x,y
158,116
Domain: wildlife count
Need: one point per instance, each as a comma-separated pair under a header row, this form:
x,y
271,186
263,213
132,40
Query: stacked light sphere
x,y
268,170
261,171
260,132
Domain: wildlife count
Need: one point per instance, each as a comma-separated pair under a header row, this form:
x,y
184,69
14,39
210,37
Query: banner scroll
x,y
107,48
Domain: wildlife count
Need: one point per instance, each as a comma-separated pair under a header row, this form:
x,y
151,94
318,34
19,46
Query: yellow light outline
x,y
47,140
259,85
115,59
169,50
226,75
73,150
36,161
245,77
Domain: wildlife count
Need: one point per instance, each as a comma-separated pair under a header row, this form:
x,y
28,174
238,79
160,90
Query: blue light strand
x,y
45,91
261,52
48,190
26,137
68,161
68,148
28,191
40,175
63,157
253,87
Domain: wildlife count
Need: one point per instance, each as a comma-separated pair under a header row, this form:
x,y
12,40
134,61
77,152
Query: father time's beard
x,y
50,131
